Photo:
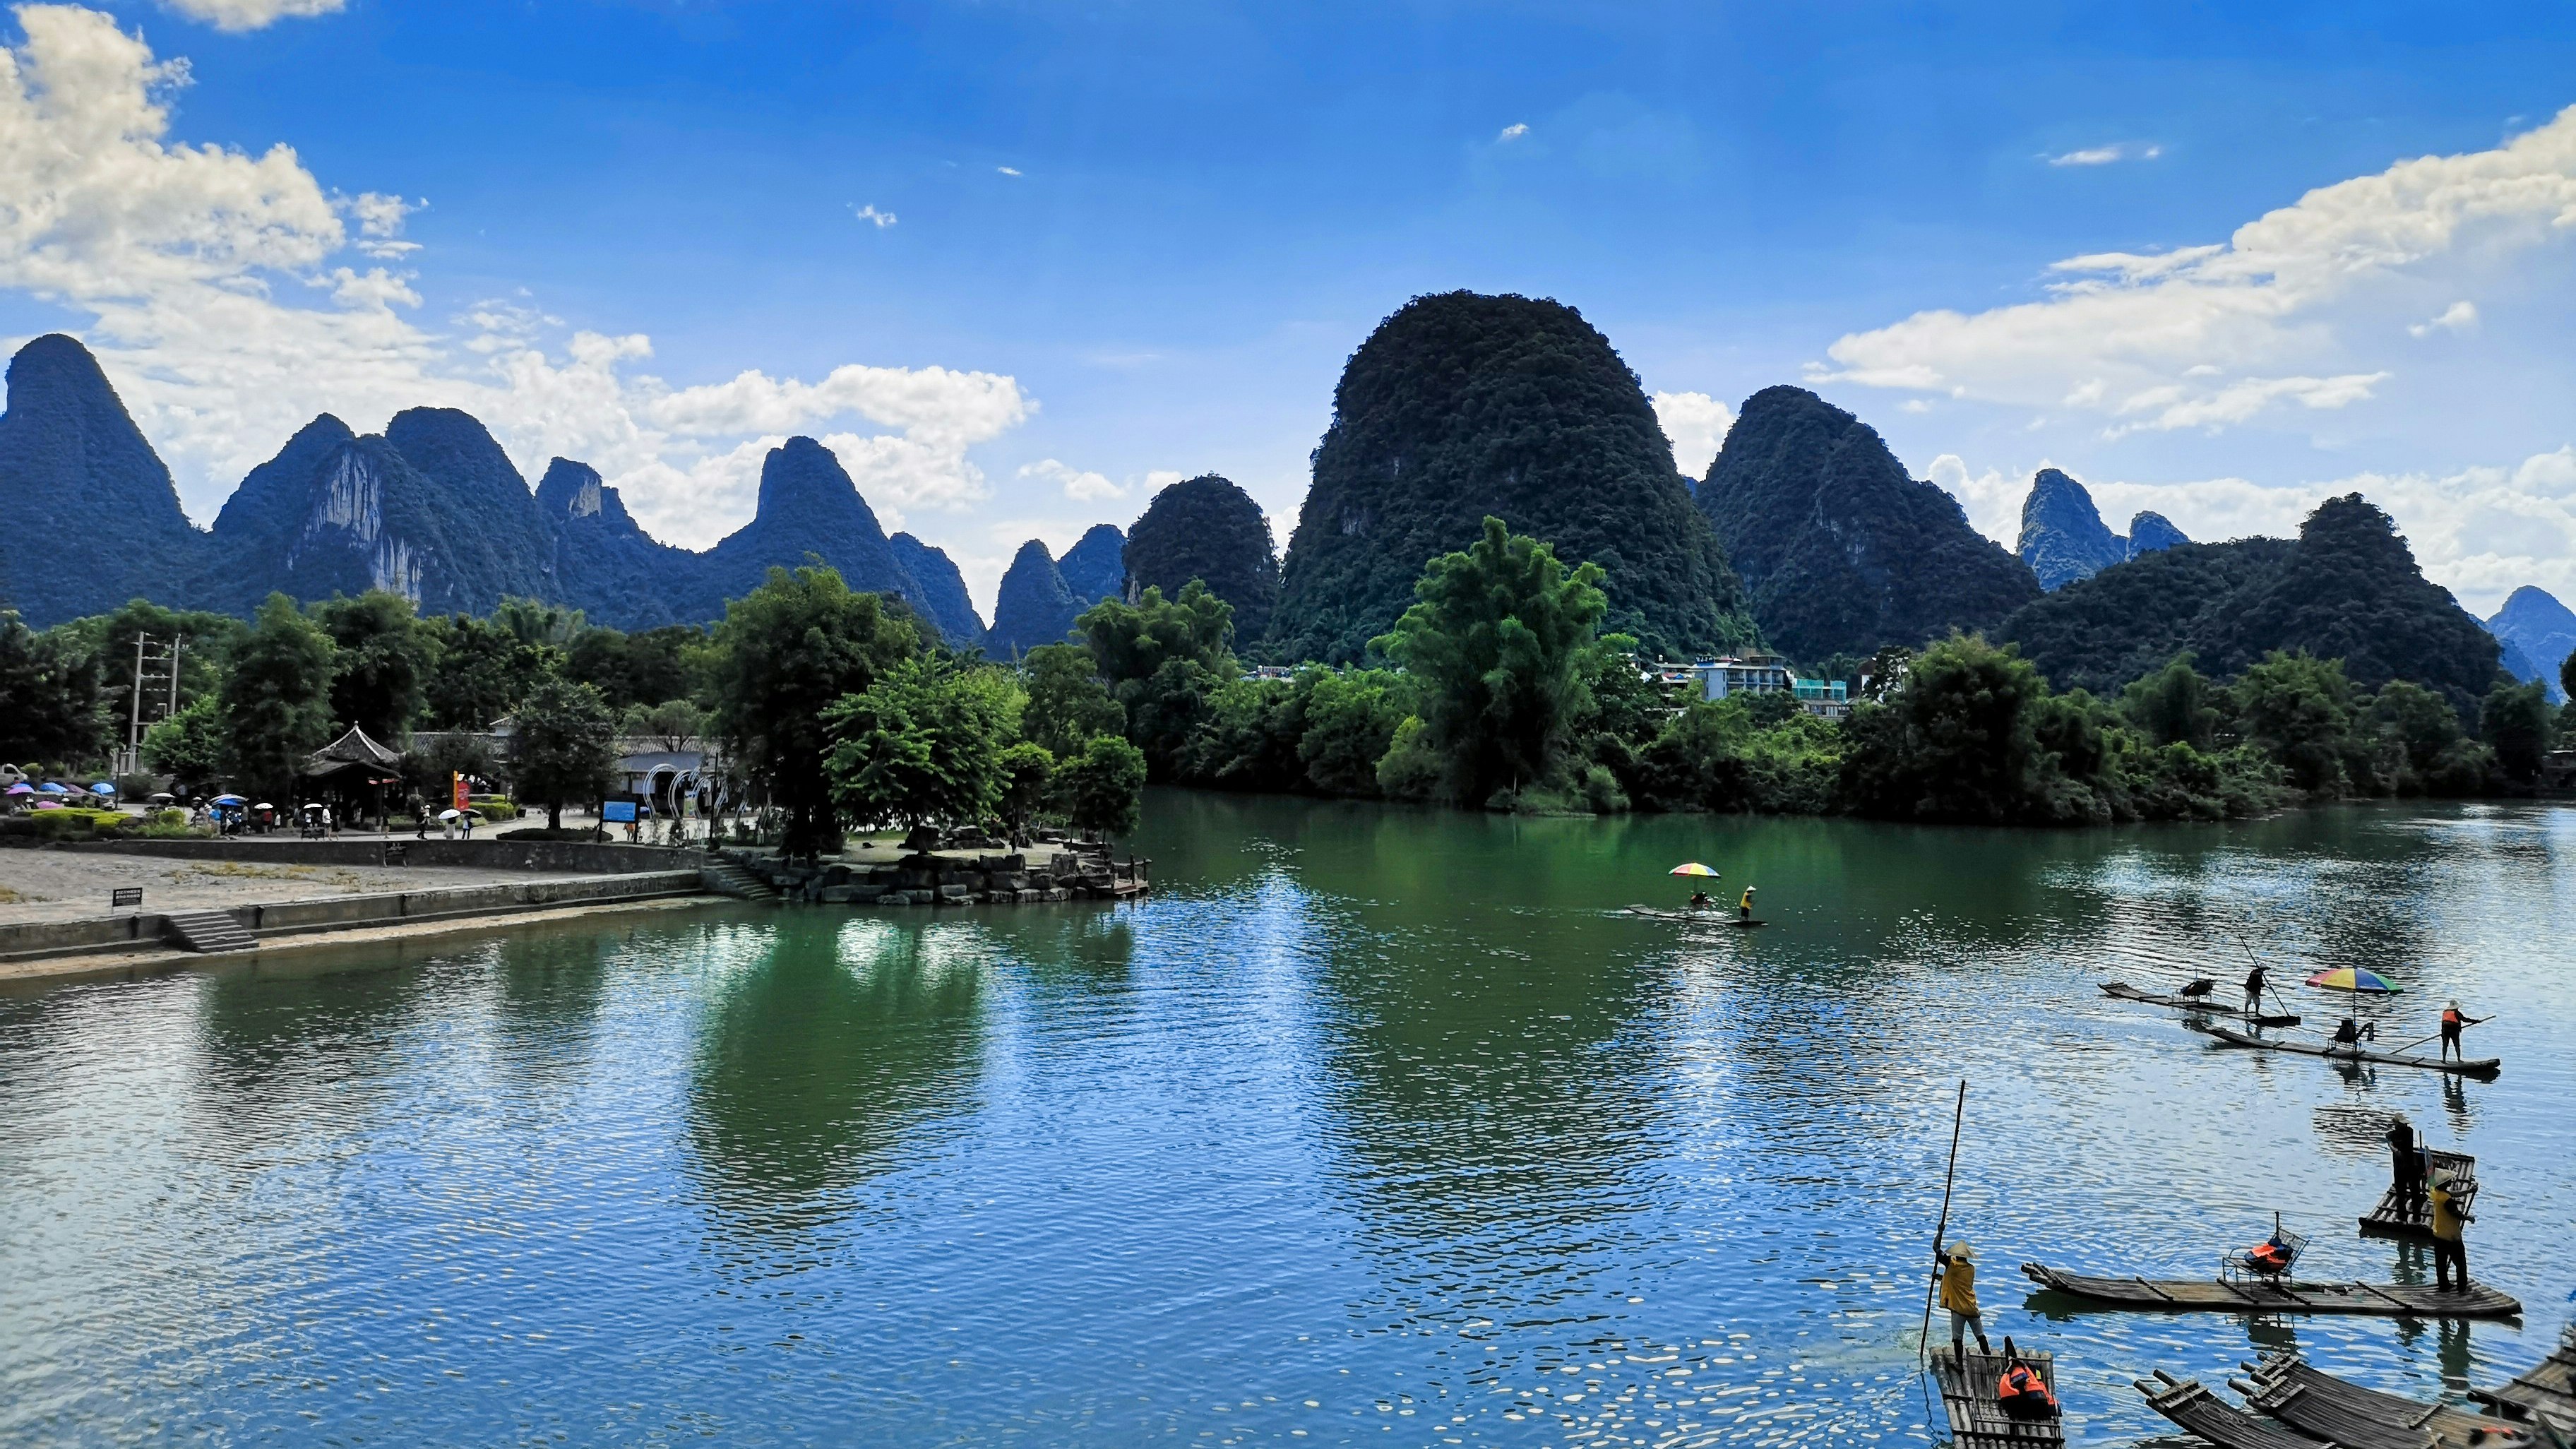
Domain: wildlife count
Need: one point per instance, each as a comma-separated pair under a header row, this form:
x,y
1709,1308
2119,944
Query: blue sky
x,y
1062,254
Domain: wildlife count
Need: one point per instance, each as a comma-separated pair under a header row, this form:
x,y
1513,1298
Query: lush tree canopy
x,y
922,744
564,747
1208,529
277,698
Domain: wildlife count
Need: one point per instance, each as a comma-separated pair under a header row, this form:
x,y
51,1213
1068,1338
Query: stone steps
x,y
726,878
209,931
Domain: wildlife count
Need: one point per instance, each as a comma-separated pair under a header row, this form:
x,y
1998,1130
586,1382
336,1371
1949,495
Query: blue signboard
x,y
618,812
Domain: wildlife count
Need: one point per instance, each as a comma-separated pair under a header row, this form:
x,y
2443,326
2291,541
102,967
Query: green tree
x,y
2173,705
482,672
189,745
1103,788
1164,661
2418,736
1958,740
921,744
784,653
2514,722
1068,703
1501,641
276,698
2298,709
1025,770
674,725
564,747
109,639
382,663
50,709
536,622
651,667
1351,717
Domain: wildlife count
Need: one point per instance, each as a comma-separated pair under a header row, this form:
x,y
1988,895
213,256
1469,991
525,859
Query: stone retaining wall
x,y
97,935
933,880
550,855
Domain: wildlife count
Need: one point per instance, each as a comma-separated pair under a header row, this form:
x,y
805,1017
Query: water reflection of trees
x,y
550,985
822,1063
285,1051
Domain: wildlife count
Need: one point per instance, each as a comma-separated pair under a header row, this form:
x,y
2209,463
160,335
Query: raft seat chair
x,y
2269,1261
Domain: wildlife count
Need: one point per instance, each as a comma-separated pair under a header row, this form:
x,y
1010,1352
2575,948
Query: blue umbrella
x,y
230,800
102,788
51,787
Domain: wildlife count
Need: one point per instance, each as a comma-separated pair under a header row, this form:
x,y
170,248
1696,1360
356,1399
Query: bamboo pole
x,y
1958,1118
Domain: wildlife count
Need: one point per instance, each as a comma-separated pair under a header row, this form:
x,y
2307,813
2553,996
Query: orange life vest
x,y
2268,1257
2023,1390
2450,1016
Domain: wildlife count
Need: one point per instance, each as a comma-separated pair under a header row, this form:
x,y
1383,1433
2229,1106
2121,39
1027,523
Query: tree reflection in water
x,y
822,1064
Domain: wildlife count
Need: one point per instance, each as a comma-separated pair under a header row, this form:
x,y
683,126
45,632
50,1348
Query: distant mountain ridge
x,y
2539,632
2063,537
1841,551
431,508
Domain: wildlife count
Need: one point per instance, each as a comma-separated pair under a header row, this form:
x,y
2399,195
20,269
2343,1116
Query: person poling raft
x,y
2453,1022
2342,1049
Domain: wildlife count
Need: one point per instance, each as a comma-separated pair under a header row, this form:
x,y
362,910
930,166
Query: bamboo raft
x,y
2203,1413
2396,1219
2254,1295
1977,1421
2321,1406
2123,991
2482,1067
2545,1395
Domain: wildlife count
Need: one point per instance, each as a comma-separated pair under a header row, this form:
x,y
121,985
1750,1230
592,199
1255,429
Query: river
x,y
1372,1126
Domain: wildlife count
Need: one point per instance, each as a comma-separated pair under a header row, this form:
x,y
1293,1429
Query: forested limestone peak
x,y
1841,551
2348,589
1033,606
2539,633
1207,528
1462,405
1095,567
2063,537
943,590
72,461
2149,532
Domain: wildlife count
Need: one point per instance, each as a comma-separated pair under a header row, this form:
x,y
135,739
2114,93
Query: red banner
x,y
462,792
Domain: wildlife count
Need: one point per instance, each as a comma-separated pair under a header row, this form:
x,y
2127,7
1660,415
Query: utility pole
x,y
133,763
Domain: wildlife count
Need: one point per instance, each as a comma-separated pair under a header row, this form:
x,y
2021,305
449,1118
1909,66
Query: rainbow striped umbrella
x,y
2352,978
1692,867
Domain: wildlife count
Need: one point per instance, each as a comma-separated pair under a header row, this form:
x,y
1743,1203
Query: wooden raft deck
x,y
1976,1420
2123,991
2203,1413
2213,1295
2392,1220
2547,1394
2321,1406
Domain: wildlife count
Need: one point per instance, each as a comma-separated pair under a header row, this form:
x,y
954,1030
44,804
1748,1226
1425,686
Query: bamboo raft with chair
x,y
2252,1294
2482,1067
2397,1218
1977,1419
2123,991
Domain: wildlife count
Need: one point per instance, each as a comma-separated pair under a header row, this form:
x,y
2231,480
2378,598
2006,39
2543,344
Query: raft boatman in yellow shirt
x,y
1744,907
1956,1270
2448,1251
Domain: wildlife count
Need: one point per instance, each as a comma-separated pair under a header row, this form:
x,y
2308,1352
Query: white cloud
x,y
222,309
2458,317
1514,131
1008,170
1078,485
2105,155
2215,334
879,219
1697,424
252,14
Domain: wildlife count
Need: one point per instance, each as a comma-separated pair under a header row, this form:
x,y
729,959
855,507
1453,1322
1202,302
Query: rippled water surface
x,y
1373,1126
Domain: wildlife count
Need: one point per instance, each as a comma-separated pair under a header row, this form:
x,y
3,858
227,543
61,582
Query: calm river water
x,y
1374,1126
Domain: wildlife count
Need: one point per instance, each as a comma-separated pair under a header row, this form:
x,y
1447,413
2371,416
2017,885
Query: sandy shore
x,y
64,885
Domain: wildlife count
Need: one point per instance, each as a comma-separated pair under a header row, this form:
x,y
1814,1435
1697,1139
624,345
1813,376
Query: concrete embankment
x,y
562,856
116,943
1059,874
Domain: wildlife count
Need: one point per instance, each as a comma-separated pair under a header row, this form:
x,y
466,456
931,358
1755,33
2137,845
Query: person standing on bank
x,y
1956,1271
2449,1252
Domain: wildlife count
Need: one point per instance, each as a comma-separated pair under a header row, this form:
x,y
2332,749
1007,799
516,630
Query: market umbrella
x,y
1692,867
52,787
49,804
228,800
22,788
162,797
102,788
2352,978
